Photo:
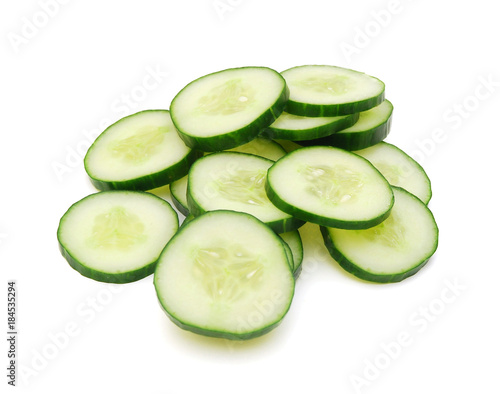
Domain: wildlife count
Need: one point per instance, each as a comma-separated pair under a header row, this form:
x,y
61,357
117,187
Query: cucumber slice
x,y
299,128
259,146
228,108
178,190
116,236
139,152
235,181
392,251
225,274
293,240
319,90
288,146
371,128
399,169
263,147
331,187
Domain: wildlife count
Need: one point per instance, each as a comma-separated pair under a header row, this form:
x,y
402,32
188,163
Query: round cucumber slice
x,y
371,128
399,169
391,251
142,151
298,128
330,187
228,108
225,274
259,146
116,236
322,90
235,181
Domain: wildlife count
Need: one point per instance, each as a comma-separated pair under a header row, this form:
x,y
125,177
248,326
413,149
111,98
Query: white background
x,y
68,70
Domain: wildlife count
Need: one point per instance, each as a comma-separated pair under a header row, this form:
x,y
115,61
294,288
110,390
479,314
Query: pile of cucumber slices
x,y
250,155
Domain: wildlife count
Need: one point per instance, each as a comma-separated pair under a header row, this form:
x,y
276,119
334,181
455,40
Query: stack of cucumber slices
x,y
250,155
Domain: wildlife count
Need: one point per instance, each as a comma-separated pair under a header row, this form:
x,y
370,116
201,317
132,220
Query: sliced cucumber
x,y
299,128
288,146
259,146
116,236
331,187
139,152
263,147
399,169
318,90
228,108
225,274
235,181
178,190
293,240
392,251
371,128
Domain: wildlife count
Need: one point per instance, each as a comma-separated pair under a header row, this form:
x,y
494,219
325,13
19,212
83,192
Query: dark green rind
x,y
357,271
151,181
297,258
216,333
341,123
237,137
356,140
101,276
222,334
289,255
316,110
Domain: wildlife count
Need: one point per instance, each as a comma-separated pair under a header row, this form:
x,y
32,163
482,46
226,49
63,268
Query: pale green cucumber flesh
x,y
399,169
392,251
331,187
225,274
116,236
142,151
228,108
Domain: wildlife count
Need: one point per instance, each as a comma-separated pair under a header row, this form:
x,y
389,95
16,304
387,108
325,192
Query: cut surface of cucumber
x,y
225,274
391,251
399,169
371,128
293,240
263,147
116,236
297,128
331,187
139,152
228,108
235,181
259,146
323,90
